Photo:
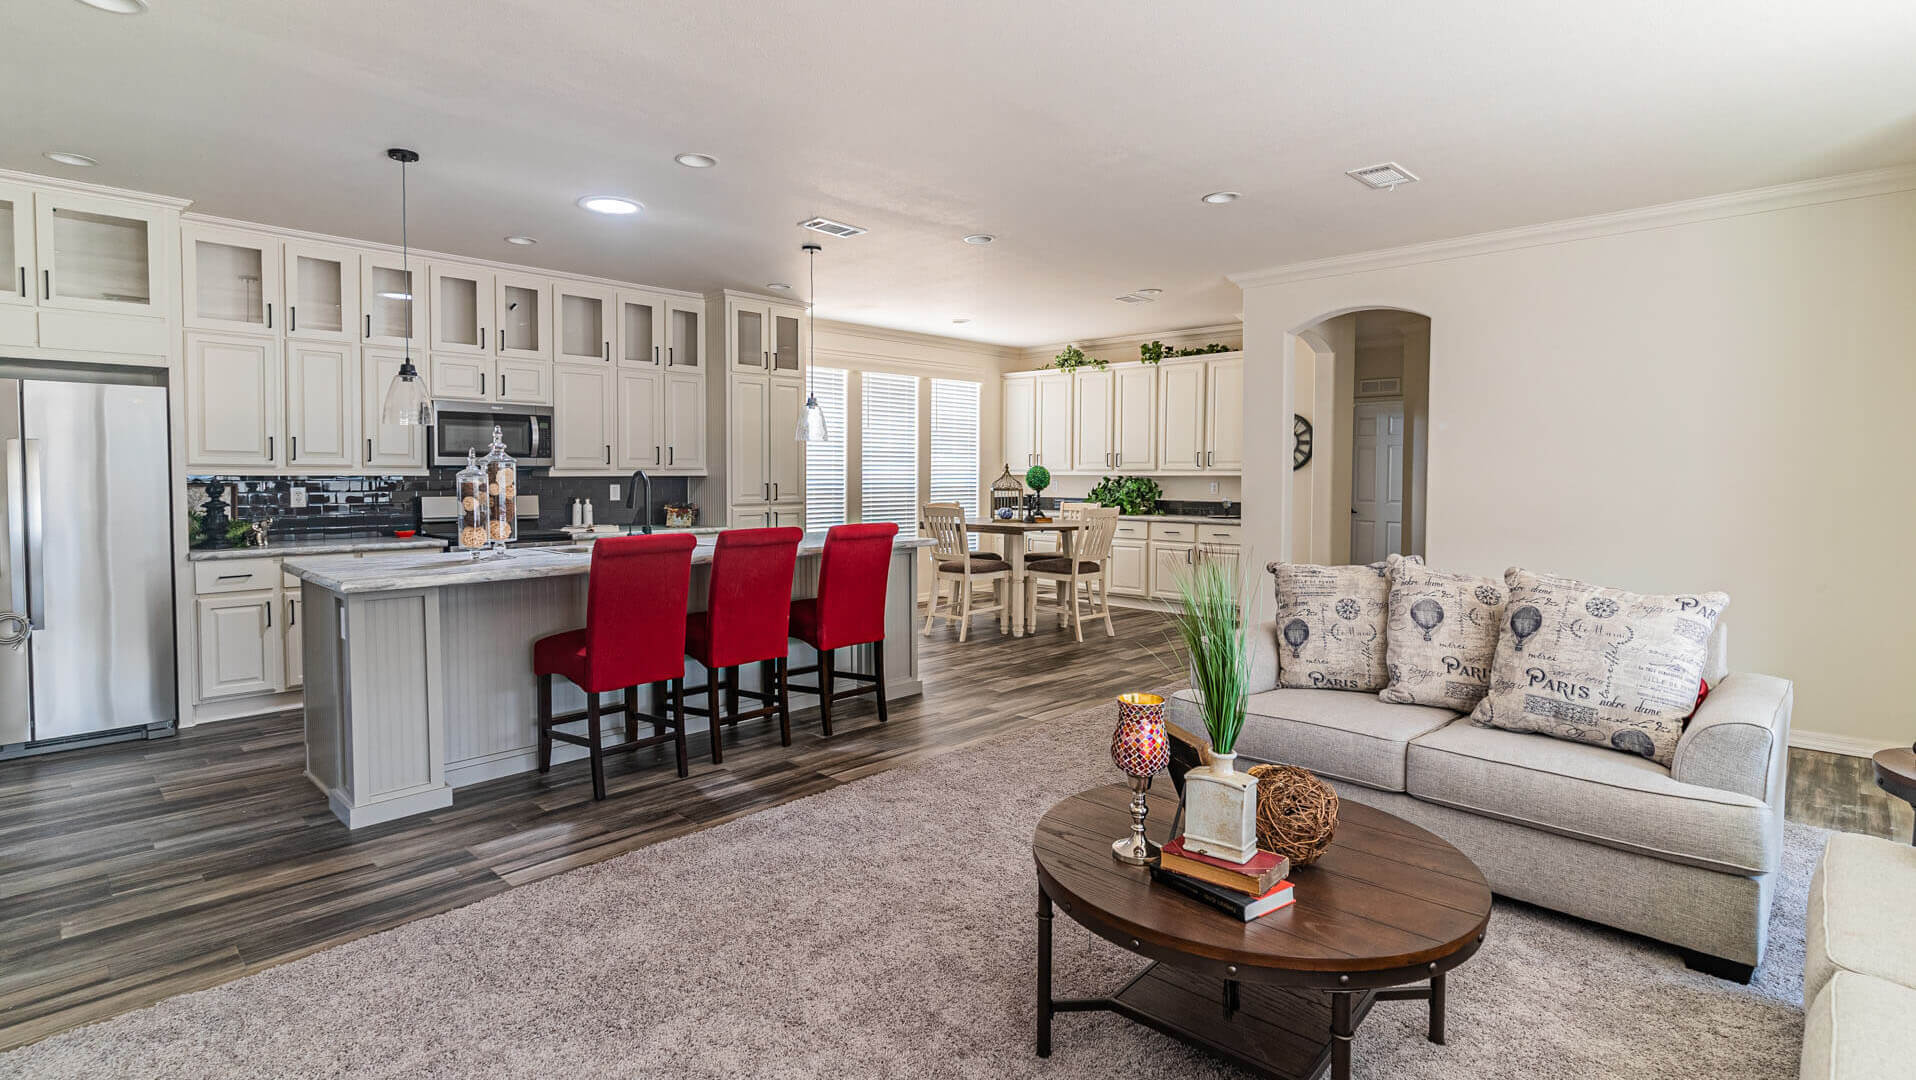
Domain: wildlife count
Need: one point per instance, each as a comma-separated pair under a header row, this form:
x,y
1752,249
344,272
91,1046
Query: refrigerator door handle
x,y
16,526
36,591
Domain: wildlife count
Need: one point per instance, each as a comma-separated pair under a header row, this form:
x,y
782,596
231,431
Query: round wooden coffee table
x,y
1896,774
1388,906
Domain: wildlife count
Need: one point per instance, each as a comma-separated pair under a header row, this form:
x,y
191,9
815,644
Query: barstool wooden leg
x,y
1104,599
597,751
545,723
631,714
661,701
931,613
878,670
678,707
731,692
714,678
784,704
825,690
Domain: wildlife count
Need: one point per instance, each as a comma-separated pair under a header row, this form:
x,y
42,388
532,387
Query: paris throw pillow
x,y
1331,625
1604,666
1442,636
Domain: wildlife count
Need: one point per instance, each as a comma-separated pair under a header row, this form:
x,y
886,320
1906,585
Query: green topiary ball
x,y
1037,478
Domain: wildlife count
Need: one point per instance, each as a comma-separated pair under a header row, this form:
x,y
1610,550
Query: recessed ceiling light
x,y
118,7
980,238
609,204
779,285
65,158
696,161
1132,298
1150,292
962,319
521,241
1218,198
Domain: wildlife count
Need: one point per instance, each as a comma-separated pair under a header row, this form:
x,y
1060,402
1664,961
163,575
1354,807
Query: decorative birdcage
x,y
1007,495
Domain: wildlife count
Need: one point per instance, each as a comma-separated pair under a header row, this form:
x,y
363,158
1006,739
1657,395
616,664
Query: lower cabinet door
x,y
1223,554
1129,574
526,382
240,646
788,517
295,667
1169,562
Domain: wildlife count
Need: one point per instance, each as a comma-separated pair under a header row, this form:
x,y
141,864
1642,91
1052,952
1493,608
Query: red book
x,y
1254,878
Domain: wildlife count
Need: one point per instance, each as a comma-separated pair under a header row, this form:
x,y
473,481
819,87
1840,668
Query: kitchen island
x,y
421,680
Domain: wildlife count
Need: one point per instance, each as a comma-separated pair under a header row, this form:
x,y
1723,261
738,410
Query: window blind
x,y
888,462
954,445
825,461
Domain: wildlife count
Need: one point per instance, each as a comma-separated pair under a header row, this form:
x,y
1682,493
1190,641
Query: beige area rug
x,y
886,929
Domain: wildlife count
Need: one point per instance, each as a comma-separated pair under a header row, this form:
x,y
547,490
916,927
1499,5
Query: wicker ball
x,y
1296,813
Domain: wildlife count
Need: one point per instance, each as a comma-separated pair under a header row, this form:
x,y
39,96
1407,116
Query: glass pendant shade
x,y
406,402
811,422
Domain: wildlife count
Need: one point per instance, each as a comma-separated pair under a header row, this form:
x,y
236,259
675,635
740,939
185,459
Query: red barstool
x,y
634,636
848,610
745,621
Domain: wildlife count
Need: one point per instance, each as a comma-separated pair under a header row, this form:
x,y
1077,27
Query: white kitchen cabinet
x,y
1134,418
585,327
462,307
16,245
522,314
1091,421
1130,576
1181,394
322,406
583,402
390,446
1224,415
525,382
463,377
1221,554
100,254
766,516
641,341
748,429
392,308
232,403
1170,562
1021,422
787,340
239,644
685,336
230,279
294,668
641,441
1053,434
788,516
683,422
784,454
322,291
766,338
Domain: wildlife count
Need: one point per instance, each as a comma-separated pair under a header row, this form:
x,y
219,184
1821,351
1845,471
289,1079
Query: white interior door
x,y
1377,481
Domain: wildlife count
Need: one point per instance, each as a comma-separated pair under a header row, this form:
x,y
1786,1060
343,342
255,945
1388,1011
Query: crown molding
x,y
61,183
1662,216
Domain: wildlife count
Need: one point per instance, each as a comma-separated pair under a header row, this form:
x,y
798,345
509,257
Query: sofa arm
x,y
1737,739
1261,642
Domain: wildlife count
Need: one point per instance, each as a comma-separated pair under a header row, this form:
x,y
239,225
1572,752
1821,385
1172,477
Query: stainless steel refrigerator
x,y
86,575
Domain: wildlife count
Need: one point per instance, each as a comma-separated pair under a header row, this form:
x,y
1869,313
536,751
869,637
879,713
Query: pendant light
x,y
406,402
811,422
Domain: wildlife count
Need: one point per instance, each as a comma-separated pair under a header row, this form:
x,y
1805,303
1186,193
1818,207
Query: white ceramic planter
x,y
1220,810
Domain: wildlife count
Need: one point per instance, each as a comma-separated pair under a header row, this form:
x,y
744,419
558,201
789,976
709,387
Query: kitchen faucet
x,y
644,517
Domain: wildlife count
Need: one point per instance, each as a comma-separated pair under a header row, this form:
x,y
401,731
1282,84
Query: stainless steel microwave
x,y
458,426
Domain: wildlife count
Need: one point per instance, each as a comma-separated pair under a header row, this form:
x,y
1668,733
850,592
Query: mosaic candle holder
x,y
1140,747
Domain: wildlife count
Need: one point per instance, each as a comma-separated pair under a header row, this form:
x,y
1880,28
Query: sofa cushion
x,y
1858,1028
1442,636
1601,666
1859,881
1334,733
1331,622
1593,794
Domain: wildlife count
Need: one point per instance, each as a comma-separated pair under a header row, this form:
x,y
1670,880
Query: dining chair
x,y
1087,564
956,564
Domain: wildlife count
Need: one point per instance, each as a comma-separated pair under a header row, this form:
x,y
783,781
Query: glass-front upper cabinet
x,y
641,329
684,334
231,279
322,292
462,308
522,314
585,321
16,245
784,341
749,350
99,254
391,309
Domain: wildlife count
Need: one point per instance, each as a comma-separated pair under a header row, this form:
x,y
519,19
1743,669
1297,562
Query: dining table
x,y
1015,531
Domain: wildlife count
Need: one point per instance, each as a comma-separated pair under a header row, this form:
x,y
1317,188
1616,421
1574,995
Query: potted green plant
x,y
1073,358
1220,811
1133,495
1037,478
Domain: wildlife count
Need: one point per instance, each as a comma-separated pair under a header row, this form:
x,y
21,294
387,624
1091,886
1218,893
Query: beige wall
x,y
1697,400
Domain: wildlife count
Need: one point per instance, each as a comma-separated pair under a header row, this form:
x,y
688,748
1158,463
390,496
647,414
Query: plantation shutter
x,y
825,461
888,466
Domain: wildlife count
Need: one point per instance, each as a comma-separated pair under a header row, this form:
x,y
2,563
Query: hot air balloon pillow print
x,y
1604,666
1331,625
1443,632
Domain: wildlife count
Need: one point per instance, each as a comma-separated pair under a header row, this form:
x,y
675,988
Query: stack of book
x,y
1246,890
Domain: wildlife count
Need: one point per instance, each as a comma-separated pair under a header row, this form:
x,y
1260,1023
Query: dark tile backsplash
x,y
348,506
1182,507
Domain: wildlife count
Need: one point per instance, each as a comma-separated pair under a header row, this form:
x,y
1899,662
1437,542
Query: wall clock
x,y
1301,439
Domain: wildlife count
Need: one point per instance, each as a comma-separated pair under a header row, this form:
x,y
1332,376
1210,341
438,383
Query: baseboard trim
x,y
1848,745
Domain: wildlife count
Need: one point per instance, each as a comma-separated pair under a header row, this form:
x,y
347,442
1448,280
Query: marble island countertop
x,y
401,571
338,546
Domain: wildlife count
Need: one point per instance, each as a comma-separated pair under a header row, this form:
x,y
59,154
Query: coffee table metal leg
x,y
1044,974
1340,1036
1437,1009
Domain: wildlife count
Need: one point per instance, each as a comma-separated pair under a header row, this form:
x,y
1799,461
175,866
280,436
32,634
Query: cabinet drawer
x,y
1218,534
100,332
1132,530
234,575
1173,530
18,326
290,583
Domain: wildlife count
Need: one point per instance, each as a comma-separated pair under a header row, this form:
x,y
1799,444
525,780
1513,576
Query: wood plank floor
x,y
133,872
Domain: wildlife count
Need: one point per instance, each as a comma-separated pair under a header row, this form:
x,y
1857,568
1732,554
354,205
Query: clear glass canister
x,y
475,505
502,489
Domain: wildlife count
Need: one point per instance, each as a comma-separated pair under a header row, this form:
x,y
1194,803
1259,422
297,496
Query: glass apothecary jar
x,y
502,490
475,504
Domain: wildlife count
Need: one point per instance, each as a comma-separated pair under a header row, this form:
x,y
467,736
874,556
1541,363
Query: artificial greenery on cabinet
x,y
1073,358
1134,495
1153,351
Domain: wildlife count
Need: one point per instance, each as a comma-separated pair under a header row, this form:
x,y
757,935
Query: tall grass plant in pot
x,y
1220,803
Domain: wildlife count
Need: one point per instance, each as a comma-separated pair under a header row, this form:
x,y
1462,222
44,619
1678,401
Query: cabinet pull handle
x,y
1197,460
608,453
269,448
774,492
23,283
671,453
292,318
656,458
235,577
292,613
269,615
608,352
369,451
668,356
369,326
47,277
482,384
269,316
482,342
655,356
293,453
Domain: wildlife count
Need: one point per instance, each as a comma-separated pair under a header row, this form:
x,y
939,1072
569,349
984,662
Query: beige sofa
x,y
1859,962
1686,855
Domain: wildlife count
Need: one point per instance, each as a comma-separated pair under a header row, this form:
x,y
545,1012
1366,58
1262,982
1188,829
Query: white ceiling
x,y
1081,132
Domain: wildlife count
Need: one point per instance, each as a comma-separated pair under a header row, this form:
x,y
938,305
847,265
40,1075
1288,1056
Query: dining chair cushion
x,y
1061,564
981,563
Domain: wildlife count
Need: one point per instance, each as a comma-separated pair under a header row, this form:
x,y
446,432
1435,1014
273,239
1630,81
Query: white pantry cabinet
x,y
747,431
230,279
322,406
232,402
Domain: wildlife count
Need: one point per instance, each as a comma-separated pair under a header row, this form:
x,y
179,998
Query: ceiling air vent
x,y
830,227
1386,176
1134,298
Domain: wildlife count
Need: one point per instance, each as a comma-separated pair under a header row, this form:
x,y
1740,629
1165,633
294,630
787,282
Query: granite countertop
x,y
291,548
401,571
